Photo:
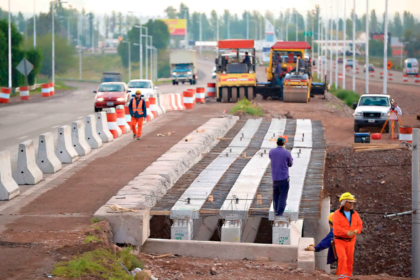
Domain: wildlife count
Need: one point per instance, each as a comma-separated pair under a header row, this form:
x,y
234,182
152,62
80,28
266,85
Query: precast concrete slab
x,y
287,233
303,135
222,250
275,130
190,203
132,202
207,228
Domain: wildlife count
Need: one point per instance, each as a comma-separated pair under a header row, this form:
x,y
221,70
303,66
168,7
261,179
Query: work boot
x,y
134,136
138,138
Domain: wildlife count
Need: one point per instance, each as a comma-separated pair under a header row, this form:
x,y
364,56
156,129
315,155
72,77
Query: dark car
x,y
371,68
340,60
111,95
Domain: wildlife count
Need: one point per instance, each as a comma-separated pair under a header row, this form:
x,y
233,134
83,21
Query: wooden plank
x,y
160,213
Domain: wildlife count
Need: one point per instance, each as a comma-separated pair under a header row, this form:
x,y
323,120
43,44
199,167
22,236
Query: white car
x,y
146,87
213,73
371,111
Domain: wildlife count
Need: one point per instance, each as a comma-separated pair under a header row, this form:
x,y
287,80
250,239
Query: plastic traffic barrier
x,y
153,107
65,150
160,103
113,127
119,110
27,172
211,89
200,96
45,90
78,138
92,137
52,92
47,160
102,128
188,99
24,93
4,95
127,115
8,187
149,112
406,134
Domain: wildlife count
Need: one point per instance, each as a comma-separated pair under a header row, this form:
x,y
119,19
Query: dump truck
x,y
183,66
108,77
296,85
235,74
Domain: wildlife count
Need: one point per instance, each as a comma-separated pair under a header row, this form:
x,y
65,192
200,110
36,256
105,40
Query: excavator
x,y
296,85
235,74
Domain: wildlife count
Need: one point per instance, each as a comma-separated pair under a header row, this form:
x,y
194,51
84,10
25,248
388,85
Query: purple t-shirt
x,y
281,160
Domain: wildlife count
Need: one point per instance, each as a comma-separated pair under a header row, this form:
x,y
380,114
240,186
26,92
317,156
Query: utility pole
x,y
336,49
247,25
344,46
386,49
80,50
129,59
34,26
297,27
354,46
201,32
367,47
217,30
415,224
227,31
319,45
9,42
287,29
304,26
331,44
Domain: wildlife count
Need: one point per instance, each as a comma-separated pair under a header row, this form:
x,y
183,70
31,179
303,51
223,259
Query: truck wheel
x,y
356,128
265,97
234,91
250,93
98,109
173,83
183,82
241,93
225,95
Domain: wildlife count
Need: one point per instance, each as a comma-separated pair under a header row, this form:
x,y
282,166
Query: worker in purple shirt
x,y
281,160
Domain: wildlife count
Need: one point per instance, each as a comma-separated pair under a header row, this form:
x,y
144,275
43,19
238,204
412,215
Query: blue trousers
x,y
280,192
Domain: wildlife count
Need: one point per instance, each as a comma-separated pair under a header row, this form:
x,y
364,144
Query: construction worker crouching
x,y
138,111
327,242
346,224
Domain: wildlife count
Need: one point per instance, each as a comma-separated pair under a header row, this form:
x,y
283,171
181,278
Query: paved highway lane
x,y
24,121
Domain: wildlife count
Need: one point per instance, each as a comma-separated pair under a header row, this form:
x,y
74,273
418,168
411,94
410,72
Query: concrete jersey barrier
x,y
92,136
65,151
78,138
27,172
102,128
8,187
46,160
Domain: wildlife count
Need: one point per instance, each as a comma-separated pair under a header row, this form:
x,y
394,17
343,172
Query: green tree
x,y
34,56
171,12
64,54
373,22
376,48
398,29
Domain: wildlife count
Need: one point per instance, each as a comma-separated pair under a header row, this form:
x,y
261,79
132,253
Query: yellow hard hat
x,y
284,65
138,91
347,196
330,217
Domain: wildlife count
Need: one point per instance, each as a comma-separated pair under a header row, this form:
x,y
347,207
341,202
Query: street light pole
x,y
129,59
367,47
10,50
201,32
354,45
247,25
336,49
80,50
331,43
141,49
386,56
297,28
344,46
34,26
53,43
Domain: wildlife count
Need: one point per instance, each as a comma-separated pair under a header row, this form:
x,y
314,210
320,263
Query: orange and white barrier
x,y
153,106
149,112
348,69
113,127
382,75
52,89
340,77
4,95
357,70
406,134
188,99
45,90
211,90
122,124
405,78
24,93
417,79
372,74
193,91
390,77
200,96
172,102
127,115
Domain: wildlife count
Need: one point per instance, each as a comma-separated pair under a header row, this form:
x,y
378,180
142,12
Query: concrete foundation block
x,y
127,227
102,128
47,160
27,172
65,151
182,229
78,138
306,259
133,202
287,234
232,231
8,187
92,136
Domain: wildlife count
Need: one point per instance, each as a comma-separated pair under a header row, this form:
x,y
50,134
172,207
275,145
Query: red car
x,y
110,95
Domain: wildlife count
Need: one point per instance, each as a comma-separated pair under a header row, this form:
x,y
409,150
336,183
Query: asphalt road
x,y
20,122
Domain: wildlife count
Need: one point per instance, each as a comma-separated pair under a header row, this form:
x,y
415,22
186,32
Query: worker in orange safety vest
x,y
346,224
138,111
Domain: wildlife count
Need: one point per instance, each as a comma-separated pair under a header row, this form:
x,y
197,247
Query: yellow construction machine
x,y
235,70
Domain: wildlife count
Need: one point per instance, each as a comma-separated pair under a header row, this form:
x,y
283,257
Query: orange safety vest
x,y
138,109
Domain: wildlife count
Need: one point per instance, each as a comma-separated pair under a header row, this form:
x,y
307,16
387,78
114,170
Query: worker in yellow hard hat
x,y
327,242
346,224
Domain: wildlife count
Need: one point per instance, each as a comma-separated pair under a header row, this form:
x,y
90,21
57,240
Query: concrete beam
x,y
251,229
306,259
222,250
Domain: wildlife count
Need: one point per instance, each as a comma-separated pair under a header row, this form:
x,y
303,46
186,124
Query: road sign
x,y
307,33
389,65
25,67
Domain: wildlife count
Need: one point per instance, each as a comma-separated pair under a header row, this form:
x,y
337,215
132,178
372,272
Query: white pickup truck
x,y
147,88
371,111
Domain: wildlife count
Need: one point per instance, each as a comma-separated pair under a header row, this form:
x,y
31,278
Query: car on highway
x,y
323,59
371,68
411,66
340,60
109,95
349,63
146,87
213,73
371,111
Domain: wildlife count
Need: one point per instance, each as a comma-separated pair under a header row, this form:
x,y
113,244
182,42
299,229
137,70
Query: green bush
x,y
246,106
349,97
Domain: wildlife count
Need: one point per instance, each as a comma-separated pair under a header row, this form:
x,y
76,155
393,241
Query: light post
x,y
297,27
344,46
34,26
9,42
53,45
201,32
186,26
80,50
367,47
354,46
146,67
331,44
141,49
416,255
336,49
129,59
247,25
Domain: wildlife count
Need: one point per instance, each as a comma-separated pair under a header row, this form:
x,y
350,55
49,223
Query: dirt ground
x,y
51,228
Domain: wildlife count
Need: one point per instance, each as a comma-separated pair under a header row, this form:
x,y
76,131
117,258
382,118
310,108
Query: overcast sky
x,y
155,8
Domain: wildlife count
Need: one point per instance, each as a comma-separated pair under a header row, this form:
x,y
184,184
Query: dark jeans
x,y
280,192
